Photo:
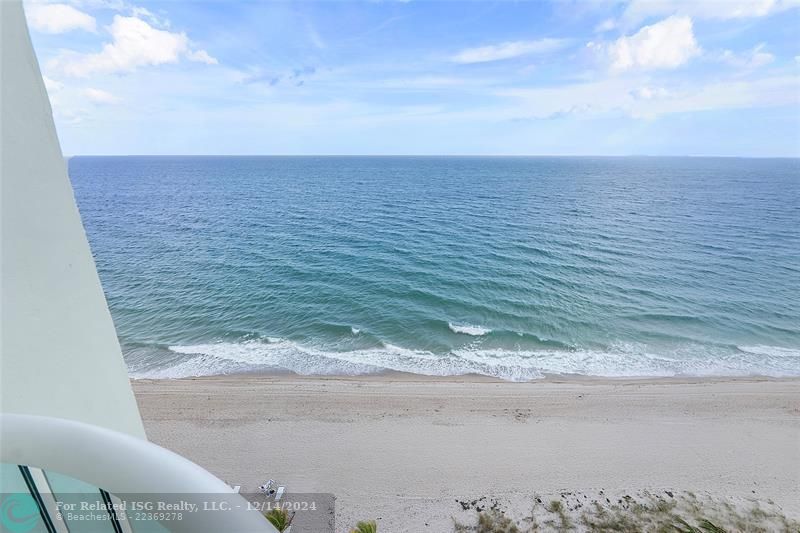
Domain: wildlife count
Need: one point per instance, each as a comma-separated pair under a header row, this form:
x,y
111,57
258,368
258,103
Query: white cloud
x,y
755,58
58,18
135,43
667,44
639,10
145,13
52,86
315,38
650,93
100,96
71,116
630,97
201,56
425,83
507,50
606,25
766,92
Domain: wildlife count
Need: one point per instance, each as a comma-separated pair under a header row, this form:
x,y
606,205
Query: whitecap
x,y
467,329
771,351
618,360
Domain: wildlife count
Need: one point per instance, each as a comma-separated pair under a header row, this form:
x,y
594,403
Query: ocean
x,y
514,267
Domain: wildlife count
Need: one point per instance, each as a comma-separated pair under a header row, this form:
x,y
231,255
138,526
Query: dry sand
x,y
403,449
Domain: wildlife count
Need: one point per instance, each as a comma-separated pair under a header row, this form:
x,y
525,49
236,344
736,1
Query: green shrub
x,y
279,518
365,527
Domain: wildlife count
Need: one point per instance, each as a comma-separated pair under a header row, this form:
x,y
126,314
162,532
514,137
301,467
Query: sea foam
x,y
771,351
620,360
467,329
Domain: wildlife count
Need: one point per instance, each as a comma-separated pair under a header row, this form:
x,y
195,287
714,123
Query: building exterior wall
x,y
59,353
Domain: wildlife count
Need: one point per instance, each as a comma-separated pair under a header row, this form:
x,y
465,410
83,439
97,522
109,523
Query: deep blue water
x,y
513,267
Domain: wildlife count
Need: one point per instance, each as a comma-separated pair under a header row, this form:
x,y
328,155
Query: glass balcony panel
x,y
18,510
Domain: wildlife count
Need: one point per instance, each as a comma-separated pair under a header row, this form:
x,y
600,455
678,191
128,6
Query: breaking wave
x,y
466,329
621,360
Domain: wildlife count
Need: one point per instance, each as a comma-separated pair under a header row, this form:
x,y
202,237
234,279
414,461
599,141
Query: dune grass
x,y
365,527
669,512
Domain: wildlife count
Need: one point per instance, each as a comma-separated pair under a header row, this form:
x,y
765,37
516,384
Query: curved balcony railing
x,y
132,470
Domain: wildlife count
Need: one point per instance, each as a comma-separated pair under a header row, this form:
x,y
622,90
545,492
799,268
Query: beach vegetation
x,y
365,527
561,521
670,512
492,521
279,518
704,526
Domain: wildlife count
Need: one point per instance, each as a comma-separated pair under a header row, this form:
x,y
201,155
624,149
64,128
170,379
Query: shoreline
x,y
394,375
278,356
394,447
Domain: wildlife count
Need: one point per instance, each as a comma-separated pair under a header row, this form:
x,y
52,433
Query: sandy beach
x,y
403,449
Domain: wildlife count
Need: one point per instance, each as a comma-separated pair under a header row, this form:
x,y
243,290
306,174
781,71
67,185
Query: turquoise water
x,y
510,267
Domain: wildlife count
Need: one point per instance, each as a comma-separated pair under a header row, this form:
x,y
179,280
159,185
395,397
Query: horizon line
x,y
453,155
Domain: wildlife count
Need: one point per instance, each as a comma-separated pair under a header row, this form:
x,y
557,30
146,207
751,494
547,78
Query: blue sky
x,y
566,77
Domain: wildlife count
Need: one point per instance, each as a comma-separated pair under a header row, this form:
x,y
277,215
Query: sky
x,y
560,77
